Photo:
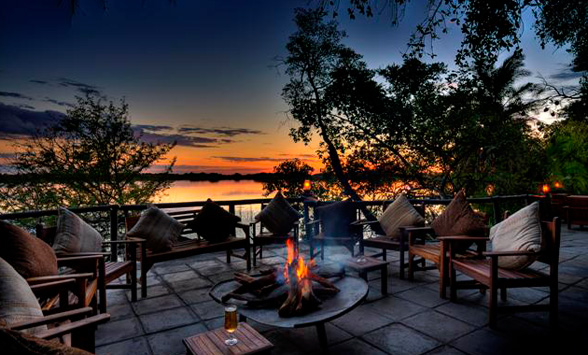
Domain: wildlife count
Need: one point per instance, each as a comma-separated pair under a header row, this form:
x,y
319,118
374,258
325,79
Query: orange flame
x,y
291,251
301,270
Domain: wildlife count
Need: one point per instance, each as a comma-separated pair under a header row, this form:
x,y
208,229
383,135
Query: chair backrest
x,y
577,201
184,216
552,237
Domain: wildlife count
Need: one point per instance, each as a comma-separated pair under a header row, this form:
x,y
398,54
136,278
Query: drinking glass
x,y
231,324
361,259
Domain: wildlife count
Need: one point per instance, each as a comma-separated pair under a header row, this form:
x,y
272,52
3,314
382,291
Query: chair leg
x,y
493,306
254,255
144,269
248,255
553,304
229,256
133,280
452,283
410,266
503,294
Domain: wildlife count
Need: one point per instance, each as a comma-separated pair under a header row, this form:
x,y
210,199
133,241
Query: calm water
x,y
185,191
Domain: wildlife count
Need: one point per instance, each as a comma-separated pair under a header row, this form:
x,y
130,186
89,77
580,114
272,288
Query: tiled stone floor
x,y
412,319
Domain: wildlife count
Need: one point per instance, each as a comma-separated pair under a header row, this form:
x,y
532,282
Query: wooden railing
x,y
117,212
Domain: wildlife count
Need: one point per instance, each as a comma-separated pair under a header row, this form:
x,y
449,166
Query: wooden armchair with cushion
x,y
458,220
333,225
168,239
23,324
276,223
516,243
36,261
396,218
576,210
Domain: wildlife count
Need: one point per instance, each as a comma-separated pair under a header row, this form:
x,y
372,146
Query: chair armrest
x,y
241,225
463,237
80,258
364,222
57,317
418,229
509,253
86,253
46,279
48,286
125,241
313,222
69,327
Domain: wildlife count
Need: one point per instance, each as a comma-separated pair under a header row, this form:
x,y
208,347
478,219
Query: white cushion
x,y
17,301
398,214
159,229
519,232
74,235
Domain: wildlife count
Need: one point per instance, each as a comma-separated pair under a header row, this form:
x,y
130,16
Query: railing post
x,y
495,209
232,210
114,231
306,220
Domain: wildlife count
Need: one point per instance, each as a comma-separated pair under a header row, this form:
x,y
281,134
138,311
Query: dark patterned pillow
x,y
28,255
214,223
278,216
159,229
336,218
74,235
459,219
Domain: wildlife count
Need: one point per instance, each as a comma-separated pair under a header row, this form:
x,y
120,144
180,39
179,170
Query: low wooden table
x,y
370,264
213,342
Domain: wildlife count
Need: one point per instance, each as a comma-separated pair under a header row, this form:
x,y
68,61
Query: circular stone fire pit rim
x,y
269,316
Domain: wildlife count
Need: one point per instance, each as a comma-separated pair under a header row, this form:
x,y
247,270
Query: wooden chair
x,y
488,275
576,210
435,251
318,239
188,245
265,237
112,269
385,243
75,328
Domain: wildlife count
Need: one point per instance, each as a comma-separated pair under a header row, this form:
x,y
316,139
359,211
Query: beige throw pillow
x,y
519,232
74,235
398,214
159,229
17,302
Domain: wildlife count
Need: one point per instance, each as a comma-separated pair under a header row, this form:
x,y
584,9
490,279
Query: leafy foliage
x,y
290,176
567,156
91,156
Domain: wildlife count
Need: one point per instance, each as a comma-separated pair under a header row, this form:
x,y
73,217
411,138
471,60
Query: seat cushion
x,y
159,229
17,301
214,223
336,218
459,219
278,216
519,232
13,342
28,255
399,213
74,235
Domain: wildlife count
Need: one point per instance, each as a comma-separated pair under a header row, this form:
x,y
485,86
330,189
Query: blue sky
x,y
200,65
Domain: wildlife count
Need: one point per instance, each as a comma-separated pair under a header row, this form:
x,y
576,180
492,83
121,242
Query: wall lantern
x,y
307,185
545,188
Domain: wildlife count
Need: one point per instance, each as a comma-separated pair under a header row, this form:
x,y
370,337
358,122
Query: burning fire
x,y
295,261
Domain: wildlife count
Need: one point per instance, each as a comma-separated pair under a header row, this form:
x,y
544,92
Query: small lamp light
x,y
545,188
557,185
307,185
490,189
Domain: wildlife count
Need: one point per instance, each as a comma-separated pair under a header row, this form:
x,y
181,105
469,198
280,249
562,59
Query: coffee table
x,y
212,342
370,264
353,292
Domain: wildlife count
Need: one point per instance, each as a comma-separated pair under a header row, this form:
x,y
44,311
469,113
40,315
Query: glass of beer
x,y
231,324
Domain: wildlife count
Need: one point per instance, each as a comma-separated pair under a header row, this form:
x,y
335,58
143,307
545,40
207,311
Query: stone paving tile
x,y
116,297
135,346
114,331
468,312
282,345
152,291
120,311
445,350
363,316
438,325
307,339
157,304
211,268
170,342
215,323
486,342
423,296
185,285
222,276
208,310
195,296
399,339
528,295
166,268
180,276
395,308
355,347
171,318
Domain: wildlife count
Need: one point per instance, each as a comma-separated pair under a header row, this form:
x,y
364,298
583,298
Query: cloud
x,y
303,156
59,103
246,159
16,121
565,73
41,82
81,87
153,128
183,169
182,140
220,131
6,156
15,95
28,107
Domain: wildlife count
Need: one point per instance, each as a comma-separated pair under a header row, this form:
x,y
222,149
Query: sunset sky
x,y
198,72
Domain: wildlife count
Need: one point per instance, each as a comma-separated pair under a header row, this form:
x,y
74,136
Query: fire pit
x,y
292,297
